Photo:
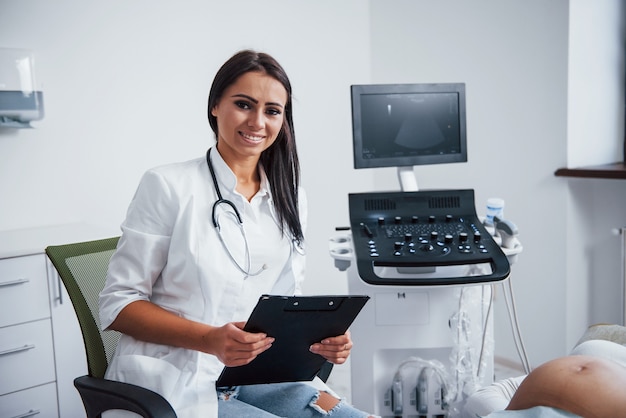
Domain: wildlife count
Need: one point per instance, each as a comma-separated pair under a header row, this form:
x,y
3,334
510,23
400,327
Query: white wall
x,y
596,90
526,64
512,55
125,87
595,136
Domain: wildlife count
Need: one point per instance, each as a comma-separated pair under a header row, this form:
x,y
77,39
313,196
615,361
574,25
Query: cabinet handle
x,y
60,288
30,413
53,273
17,349
14,282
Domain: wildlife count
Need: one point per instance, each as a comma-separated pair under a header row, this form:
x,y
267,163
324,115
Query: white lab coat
x,y
170,254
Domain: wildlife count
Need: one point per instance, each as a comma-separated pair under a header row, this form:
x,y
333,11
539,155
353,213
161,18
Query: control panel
x,y
414,231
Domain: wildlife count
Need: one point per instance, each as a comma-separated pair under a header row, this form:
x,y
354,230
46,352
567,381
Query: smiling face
x,y
250,115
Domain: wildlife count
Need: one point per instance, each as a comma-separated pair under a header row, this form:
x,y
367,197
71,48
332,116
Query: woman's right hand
x,y
232,345
235,347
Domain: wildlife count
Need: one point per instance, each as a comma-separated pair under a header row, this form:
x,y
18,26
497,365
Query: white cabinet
x,y
69,348
23,279
36,402
26,350
41,347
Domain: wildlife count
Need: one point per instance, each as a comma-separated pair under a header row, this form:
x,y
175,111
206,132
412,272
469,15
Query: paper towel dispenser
x,y
20,102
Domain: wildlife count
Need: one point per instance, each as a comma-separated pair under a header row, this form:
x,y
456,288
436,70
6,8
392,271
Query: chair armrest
x,y
324,372
101,395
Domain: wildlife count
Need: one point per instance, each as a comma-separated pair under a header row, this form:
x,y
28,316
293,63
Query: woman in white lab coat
x,y
202,240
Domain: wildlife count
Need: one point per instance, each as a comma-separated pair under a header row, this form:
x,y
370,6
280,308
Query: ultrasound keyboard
x,y
419,232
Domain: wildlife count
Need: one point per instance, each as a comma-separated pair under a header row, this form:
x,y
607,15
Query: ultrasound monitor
x,y
404,125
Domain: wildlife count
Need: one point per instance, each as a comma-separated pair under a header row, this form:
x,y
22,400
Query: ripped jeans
x,y
289,400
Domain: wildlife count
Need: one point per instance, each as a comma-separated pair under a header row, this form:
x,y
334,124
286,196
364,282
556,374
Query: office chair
x,y
82,268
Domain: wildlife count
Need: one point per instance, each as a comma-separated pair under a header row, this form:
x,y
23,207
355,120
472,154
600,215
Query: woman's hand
x,y
335,349
235,347
232,345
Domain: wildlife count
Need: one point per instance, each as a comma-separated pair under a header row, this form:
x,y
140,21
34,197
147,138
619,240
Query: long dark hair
x,y
280,160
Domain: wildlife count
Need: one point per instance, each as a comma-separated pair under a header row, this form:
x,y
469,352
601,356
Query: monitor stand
x,y
406,176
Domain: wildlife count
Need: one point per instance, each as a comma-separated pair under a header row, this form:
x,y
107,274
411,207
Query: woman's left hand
x,y
335,349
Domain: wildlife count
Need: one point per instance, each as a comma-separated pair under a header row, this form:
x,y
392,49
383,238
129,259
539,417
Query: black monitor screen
x,y
398,125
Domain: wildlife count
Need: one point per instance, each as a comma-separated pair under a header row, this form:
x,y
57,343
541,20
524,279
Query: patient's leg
x,y
583,385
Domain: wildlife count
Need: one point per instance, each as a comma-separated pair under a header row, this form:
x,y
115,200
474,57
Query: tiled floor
x,y
504,369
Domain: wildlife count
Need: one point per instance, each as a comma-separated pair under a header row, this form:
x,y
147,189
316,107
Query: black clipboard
x,y
295,322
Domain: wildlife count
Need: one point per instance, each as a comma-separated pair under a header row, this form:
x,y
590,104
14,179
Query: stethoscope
x,y
235,212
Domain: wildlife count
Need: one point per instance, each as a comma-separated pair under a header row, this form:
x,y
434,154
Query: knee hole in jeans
x,y
324,402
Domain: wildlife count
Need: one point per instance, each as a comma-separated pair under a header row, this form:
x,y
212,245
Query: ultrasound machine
x,y
426,259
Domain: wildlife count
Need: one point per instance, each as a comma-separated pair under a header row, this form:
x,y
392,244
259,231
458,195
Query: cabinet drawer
x,y
23,290
26,355
37,402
